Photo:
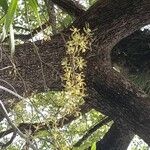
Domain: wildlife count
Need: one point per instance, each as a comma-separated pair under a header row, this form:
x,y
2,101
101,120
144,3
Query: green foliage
x,y
34,5
9,17
91,2
64,20
4,5
10,14
93,146
8,20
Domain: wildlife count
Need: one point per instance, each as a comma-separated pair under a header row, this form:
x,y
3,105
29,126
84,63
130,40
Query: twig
x,y
5,68
5,113
8,85
11,92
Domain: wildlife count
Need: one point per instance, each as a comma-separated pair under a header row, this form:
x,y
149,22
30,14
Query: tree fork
x,y
111,20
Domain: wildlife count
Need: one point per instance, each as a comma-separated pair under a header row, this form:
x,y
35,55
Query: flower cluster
x,y
73,66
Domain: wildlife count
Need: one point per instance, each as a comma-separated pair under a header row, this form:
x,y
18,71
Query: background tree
x,y
35,39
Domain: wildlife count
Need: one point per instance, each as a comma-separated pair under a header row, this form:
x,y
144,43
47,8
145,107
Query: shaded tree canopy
x,y
117,75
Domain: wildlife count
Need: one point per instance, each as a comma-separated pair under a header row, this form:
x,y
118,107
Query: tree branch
x,y
117,138
52,52
25,37
72,8
129,104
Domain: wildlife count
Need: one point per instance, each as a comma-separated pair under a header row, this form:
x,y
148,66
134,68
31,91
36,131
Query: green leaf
x,y
91,2
4,5
93,146
2,20
10,14
34,5
8,19
2,30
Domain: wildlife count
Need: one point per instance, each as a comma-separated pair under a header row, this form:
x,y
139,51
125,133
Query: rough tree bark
x,y
118,138
110,21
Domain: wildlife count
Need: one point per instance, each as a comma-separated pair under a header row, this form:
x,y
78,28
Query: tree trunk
x,y
39,68
117,138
